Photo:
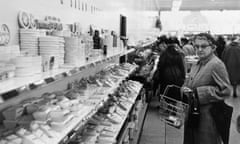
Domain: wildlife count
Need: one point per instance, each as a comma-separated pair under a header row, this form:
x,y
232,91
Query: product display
x,y
24,20
74,51
33,24
50,117
29,41
28,65
105,126
52,51
7,71
4,34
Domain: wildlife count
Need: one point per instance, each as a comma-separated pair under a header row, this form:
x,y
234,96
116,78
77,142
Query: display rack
x,y
17,89
121,125
78,123
137,133
126,127
56,84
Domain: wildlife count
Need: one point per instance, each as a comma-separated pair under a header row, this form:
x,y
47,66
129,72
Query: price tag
x,y
10,94
82,68
71,135
64,74
49,80
32,86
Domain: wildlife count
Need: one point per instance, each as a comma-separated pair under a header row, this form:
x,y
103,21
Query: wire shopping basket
x,y
173,111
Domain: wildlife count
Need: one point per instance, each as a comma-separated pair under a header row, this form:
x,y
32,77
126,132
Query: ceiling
x,y
165,5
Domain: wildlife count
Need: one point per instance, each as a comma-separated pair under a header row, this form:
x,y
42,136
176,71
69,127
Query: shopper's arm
x,y
220,90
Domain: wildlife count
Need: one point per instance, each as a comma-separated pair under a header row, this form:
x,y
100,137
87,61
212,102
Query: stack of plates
x,y
74,51
28,65
29,41
52,51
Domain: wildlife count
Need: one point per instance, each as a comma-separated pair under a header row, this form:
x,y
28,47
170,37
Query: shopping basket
x,y
173,111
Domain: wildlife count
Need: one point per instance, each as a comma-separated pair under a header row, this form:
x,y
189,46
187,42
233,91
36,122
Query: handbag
x,y
222,114
194,110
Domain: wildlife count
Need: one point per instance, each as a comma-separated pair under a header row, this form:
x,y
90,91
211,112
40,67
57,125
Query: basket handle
x,y
170,86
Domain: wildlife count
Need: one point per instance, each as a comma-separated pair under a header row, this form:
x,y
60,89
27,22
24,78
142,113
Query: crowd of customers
x,y
213,78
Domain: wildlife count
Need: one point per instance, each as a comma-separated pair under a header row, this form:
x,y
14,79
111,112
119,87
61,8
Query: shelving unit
x,y
50,81
60,84
138,132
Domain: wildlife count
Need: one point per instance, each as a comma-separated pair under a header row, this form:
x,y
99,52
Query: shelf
x,y
77,123
137,133
17,83
128,51
120,126
87,111
147,43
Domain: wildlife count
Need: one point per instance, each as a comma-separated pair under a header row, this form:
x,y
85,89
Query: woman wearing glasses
x,y
209,79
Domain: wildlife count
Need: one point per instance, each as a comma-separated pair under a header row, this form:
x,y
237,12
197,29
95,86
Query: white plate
x,y
23,19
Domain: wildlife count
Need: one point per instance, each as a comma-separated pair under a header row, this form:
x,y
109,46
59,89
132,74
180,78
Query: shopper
x,y
161,44
187,47
170,70
232,61
209,79
220,46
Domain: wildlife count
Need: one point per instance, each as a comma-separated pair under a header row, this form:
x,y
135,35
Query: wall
x,y
217,22
141,25
40,8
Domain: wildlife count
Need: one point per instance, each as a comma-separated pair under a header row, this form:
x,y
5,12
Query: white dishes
x,y
28,65
4,35
29,41
74,51
23,19
52,50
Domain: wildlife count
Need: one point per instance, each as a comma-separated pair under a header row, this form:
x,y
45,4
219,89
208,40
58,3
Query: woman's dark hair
x,y
162,39
173,40
184,40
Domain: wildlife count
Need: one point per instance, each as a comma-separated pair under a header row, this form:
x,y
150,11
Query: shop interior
x,y
77,71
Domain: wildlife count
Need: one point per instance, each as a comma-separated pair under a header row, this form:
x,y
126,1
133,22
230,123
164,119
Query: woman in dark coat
x,y
170,70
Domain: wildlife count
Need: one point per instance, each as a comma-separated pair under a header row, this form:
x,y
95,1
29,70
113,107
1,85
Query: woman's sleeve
x,y
220,90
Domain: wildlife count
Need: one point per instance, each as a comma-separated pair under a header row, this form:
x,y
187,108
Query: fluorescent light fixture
x,y
176,4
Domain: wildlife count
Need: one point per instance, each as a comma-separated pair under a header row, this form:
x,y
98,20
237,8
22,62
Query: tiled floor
x,y
154,129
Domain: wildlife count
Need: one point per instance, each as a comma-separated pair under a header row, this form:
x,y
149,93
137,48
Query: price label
x,y
71,135
64,74
73,71
82,68
10,94
49,80
32,86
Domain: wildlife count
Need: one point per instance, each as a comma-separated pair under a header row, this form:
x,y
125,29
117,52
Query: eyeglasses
x,y
201,46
